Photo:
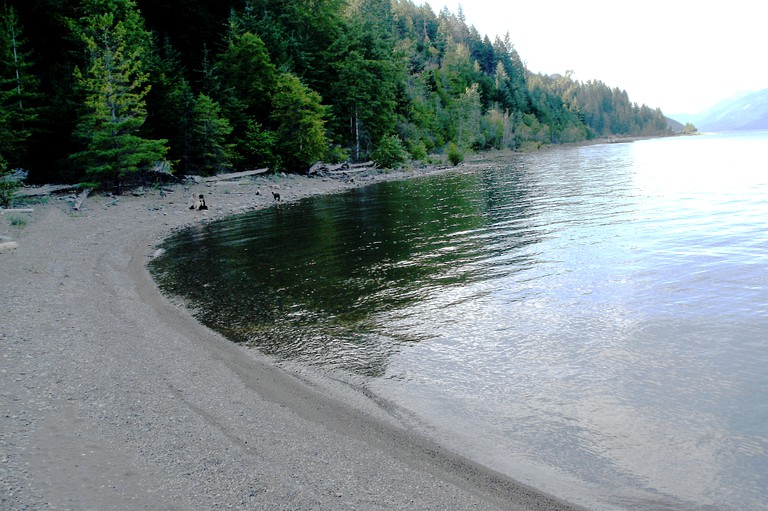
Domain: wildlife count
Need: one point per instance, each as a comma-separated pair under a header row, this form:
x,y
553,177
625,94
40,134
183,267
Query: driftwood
x,y
44,190
16,210
235,175
7,243
80,198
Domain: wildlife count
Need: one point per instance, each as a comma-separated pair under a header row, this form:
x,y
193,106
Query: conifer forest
x,y
98,91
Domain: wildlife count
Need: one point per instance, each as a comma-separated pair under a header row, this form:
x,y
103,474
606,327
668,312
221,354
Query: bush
x,y
455,154
8,185
418,151
17,221
336,154
390,154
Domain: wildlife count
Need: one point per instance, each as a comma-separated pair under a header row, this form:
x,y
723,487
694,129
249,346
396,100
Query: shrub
x,y
17,221
8,185
455,154
390,153
336,154
418,151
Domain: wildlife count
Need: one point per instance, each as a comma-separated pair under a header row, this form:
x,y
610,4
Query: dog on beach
x,y
276,196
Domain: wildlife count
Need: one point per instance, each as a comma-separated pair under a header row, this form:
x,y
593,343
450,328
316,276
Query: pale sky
x,y
682,56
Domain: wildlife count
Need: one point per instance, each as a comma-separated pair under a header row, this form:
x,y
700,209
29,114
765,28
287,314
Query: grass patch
x,y
17,221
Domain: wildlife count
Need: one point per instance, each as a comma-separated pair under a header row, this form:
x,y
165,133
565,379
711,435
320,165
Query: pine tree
x,y
115,84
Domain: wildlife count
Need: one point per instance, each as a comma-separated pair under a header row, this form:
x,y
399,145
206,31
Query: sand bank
x,y
115,398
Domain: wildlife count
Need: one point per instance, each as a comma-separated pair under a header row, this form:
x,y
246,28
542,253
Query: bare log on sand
x,y
80,198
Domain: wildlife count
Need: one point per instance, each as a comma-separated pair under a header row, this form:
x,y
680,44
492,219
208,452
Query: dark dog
x,y
276,196
198,203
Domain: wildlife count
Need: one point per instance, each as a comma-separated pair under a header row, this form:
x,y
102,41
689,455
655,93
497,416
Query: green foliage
x,y
367,73
300,120
210,152
8,185
390,153
115,85
18,88
689,129
245,75
17,221
276,83
257,146
243,81
336,154
418,151
172,99
454,153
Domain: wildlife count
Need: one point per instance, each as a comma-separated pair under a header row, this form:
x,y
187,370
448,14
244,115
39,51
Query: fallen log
x,y
16,210
43,190
235,175
7,243
80,198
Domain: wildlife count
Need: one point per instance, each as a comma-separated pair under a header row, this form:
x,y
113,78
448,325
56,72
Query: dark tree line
x,y
96,90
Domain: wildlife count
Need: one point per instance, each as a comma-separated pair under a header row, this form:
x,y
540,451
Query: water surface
x,y
589,320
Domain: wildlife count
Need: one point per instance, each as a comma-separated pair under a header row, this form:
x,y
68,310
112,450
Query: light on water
x,y
589,320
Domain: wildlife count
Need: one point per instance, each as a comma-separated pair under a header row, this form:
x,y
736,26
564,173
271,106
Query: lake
x,y
592,321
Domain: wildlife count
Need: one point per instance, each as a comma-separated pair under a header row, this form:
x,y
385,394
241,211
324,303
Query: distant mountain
x,y
746,112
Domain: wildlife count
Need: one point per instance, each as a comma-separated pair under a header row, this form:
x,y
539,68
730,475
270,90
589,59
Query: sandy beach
x,y
114,397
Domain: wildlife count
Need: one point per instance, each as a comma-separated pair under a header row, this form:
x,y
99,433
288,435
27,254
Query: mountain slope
x,y
748,112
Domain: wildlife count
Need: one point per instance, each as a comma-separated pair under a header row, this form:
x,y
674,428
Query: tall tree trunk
x,y
357,136
16,65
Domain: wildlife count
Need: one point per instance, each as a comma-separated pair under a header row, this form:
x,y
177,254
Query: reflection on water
x,y
589,320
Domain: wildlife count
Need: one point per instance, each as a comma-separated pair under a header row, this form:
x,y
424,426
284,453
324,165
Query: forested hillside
x,y
96,90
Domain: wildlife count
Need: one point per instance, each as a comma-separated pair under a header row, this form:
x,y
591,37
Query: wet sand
x,y
114,397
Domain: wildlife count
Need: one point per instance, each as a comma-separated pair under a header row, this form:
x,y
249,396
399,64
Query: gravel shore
x,y
113,397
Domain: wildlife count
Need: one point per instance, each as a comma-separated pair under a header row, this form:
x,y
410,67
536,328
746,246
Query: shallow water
x,y
589,320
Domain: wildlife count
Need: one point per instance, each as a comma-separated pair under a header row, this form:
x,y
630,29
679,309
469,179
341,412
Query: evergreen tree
x,y
115,85
383,68
466,112
368,74
243,80
18,89
170,104
210,152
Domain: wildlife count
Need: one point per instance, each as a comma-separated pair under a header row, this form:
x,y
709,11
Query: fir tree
x,y
18,89
115,85
209,151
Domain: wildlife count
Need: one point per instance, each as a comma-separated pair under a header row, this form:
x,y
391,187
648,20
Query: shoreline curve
x,y
114,397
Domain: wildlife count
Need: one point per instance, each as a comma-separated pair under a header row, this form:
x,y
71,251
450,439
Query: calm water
x,y
592,321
